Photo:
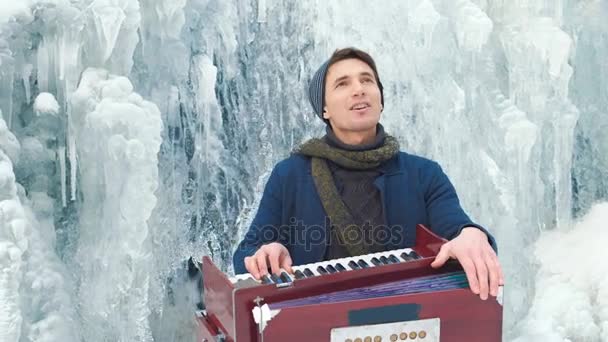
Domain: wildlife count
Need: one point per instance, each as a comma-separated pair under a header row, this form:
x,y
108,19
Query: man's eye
x,y
340,84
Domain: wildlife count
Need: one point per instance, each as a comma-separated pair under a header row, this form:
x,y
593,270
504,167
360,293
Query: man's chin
x,y
363,127
364,124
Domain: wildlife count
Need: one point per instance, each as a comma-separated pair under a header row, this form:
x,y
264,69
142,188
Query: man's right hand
x,y
274,255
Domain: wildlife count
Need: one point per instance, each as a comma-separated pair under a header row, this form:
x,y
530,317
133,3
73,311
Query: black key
x,y
406,257
362,263
415,255
340,268
353,265
331,269
299,274
376,262
308,273
393,259
285,277
276,279
266,280
321,270
385,260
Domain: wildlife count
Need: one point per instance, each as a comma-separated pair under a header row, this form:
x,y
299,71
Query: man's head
x,y
346,91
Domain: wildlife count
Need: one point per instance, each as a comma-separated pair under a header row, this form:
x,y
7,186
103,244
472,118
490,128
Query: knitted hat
x,y
316,90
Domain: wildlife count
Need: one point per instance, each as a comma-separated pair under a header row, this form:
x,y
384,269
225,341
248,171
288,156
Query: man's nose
x,y
358,89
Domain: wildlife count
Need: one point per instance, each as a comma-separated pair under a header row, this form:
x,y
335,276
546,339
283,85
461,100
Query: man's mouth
x,y
360,106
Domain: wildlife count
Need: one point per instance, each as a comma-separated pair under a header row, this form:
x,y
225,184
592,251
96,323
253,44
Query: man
x,y
353,192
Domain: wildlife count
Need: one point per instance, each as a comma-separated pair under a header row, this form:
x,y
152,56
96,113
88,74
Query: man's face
x,y
352,96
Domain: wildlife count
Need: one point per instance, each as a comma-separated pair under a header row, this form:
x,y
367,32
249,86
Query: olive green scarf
x,y
349,234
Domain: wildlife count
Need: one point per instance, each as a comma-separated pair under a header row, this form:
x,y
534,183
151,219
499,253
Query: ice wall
x,y
117,191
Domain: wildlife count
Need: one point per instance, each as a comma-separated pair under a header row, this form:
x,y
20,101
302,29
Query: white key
x,y
344,261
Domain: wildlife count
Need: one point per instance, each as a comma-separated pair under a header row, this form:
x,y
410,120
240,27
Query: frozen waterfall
x,y
135,134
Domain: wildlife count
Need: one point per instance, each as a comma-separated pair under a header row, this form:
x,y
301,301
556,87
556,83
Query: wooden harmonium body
x,y
388,296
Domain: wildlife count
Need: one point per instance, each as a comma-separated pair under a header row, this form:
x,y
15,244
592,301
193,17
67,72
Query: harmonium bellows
x,y
389,296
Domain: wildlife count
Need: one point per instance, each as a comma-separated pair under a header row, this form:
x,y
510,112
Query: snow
x,y
134,134
571,300
46,104
118,139
10,9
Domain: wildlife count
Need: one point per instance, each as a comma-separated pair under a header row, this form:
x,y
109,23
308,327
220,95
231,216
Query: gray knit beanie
x,y
316,90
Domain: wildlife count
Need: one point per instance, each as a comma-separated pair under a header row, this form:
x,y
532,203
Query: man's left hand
x,y
479,261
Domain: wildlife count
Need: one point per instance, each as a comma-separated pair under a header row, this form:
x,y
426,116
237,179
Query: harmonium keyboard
x,y
388,296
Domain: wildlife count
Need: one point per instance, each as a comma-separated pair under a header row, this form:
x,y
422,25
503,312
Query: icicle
x,y
472,25
261,11
7,69
73,162
563,134
68,54
70,88
11,77
43,67
61,152
424,19
61,57
108,21
26,73
170,16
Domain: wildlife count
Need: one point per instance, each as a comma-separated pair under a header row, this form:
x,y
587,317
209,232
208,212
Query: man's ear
x,y
325,115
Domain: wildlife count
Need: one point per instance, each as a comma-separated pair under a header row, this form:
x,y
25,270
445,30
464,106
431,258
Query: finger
x,y
501,276
262,264
469,269
273,258
252,267
442,257
286,262
493,272
482,276
496,263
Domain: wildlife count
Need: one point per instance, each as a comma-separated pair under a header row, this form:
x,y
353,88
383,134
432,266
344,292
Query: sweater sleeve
x,y
265,226
445,214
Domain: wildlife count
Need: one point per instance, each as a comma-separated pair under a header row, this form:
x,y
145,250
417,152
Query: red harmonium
x,y
388,296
